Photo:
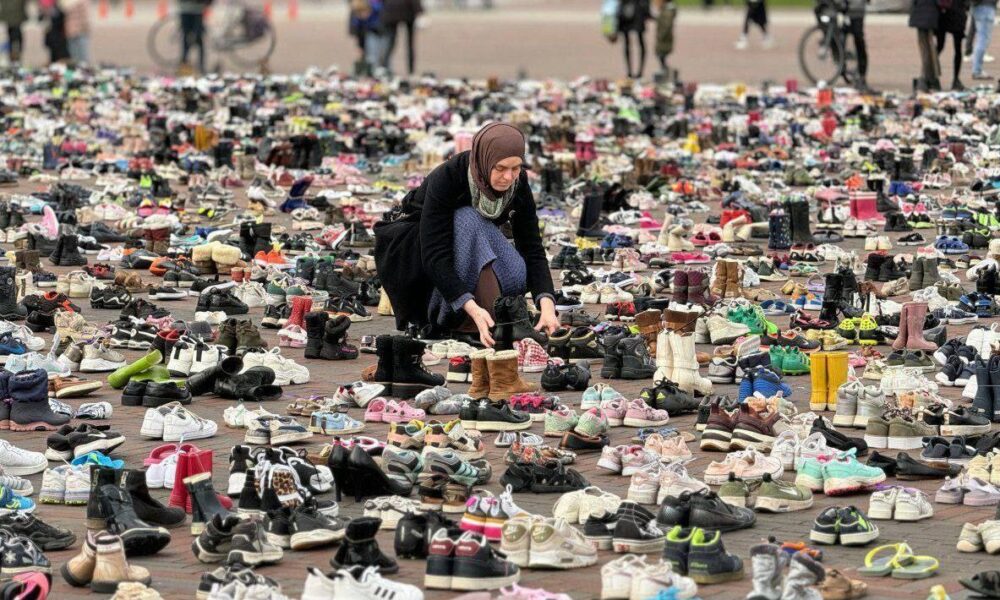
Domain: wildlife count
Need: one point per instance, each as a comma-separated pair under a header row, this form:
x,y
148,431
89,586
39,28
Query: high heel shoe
x,y
370,480
338,466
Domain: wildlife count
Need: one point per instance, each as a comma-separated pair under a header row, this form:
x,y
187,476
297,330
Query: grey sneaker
x,y
847,403
871,403
907,433
428,398
722,370
449,406
780,496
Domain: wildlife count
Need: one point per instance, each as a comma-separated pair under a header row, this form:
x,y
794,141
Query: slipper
x,y
986,583
882,560
917,567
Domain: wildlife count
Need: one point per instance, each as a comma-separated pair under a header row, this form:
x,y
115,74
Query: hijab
x,y
493,143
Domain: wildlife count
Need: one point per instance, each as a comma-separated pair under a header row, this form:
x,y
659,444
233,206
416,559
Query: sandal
x,y
917,567
881,561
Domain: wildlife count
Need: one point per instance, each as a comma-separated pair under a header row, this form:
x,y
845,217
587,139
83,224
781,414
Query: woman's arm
x,y
437,234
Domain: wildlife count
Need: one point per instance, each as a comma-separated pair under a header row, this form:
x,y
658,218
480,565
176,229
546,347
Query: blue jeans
x,y
982,16
376,43
79,47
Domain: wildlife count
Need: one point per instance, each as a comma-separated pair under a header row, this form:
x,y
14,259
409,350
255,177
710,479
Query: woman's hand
x,y
548,321
481,317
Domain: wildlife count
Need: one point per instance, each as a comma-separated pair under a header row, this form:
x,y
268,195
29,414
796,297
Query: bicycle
x,y
245,35
826,51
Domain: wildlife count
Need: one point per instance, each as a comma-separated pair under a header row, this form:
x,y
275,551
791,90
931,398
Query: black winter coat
x,y
632,15
400,11
414,253
955,18
924,14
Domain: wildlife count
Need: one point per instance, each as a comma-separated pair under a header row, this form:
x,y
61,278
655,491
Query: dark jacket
x,y
924,14
401,11
414,254
632,15
13,12
953,20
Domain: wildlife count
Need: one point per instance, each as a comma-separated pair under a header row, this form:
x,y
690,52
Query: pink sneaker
x,y
375,410
531,357
640,414
611,458
50,222
615,410
638,459
395,412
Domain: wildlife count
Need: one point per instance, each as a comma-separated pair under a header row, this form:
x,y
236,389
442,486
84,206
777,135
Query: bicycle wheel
x,y
821,55
164,42
249,53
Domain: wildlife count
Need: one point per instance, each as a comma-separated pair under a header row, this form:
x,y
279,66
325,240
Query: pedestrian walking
x,y
14,13
983,14
924,17
856,29
632,17
756,14
367,28
396,15
666,14
192,16
952,22
55,32
77,29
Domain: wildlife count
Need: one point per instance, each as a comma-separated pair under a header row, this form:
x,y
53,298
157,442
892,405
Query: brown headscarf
x,y
491,144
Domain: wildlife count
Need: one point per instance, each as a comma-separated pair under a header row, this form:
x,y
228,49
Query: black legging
x,y
628,52
857,31
16,41
757,14
393,30
192,35
956,36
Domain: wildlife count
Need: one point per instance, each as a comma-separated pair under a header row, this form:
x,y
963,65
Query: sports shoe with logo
x,y
775,495
99,357
845,475
451,465
593,423
675,480
748,465
555,544
452,436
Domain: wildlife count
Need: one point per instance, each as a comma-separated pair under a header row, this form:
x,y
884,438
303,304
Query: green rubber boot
x,y
120,378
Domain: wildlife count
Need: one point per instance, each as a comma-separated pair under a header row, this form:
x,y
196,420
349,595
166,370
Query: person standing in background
x,y
666,14
77,29
632,17
983,14
756,14
397,14
14,13
55,33
924,17
192,15
952,21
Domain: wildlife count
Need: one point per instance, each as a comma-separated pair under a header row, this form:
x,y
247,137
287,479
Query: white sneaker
x,y
555,544
18,485
251,293
21,332
286,370
369,586
206,357
163,473
591,293
20,462
786,448
77,485
181,424
98,358
649,581
595,501
361,393
154,419
645,484
181,358
675,480
912,505
617,575
211,317
882,504
54,485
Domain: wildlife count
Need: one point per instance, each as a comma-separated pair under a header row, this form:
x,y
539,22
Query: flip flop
x,y
881,561
917,567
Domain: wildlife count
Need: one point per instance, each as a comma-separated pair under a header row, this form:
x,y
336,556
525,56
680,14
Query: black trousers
x,y
16,41
392,32
956,36
857,31
640,36
193,34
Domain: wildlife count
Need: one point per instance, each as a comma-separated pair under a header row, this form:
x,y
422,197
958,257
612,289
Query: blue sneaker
x,y
334,423
10,346
99,459
12,503
746,387
768,384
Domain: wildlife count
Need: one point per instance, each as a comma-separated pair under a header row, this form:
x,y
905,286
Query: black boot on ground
x,y
315,328
513,311
205,503
409,376
140,538
204,382
261,238
246,239
360,549
55,257
384,369
334,344
590,216
99,476
146,507
10,308
68,252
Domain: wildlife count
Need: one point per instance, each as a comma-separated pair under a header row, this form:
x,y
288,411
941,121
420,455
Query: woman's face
x,y
505,173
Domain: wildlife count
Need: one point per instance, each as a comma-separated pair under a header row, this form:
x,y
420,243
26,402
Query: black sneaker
x,y
837,440
476,565
166,292
226,302
636,530
498,416
250,546
707,510
854,527
45,536
312,529
583,345
825,529
227,574
708,561
272,317
19,554
599,529
200,286
567,303
179,279
215,541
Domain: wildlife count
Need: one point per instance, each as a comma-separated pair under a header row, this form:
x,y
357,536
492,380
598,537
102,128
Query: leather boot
x,y
734,280
334,346
79,570
248,338
515,313
359,547
915,328
140,538
698,288
917,274
648,323
799,213
504,380
69,252
244,386
904,323
409,376
56,256
205,502
721,277
983,401
147,508
99,476
679,287
994,388
383,371
931,273
261,238
204,382
10,308
480,385
111,566
873,265
315,325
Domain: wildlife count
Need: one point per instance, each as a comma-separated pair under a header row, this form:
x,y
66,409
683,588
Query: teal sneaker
x,y
592,423
810,474
845,475
12,503
99,459
558,422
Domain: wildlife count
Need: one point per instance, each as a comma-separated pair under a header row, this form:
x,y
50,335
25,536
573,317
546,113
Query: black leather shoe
x,y
710,512
909,468
158,394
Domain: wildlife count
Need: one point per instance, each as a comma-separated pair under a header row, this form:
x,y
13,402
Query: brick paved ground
x,y
555,38
175,570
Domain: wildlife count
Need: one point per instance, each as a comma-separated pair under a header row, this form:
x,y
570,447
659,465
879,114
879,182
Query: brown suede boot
x,y
504,380
112,567
734,279
79,570
915,327
648,323
480,374
718,287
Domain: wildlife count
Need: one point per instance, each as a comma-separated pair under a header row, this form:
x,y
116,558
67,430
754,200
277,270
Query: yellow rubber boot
x,y
836,376
820,385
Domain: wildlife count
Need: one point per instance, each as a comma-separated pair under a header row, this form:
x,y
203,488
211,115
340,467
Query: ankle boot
x,y
79,570
779,226
931,273
904,323
916,280
68,252
30,410
261,238
734,280
685,372
994,388
915,328
768,563
664,357
359,547
679,287
636,361
55,257
334,345
480,380
140,538
697,292
205,502
804,574
204,382
147,508
799,213
99,476
504,380
111,566
983,400
409,376
721,276
248,338
247,385
315,325
612,367
513,311
10,308
384,350
873,265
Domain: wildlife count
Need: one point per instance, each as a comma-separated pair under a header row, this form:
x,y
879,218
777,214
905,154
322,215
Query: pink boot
x,y
50,222
900,342
915,327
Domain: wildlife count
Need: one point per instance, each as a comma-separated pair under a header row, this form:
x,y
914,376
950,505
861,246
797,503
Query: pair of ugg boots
x,y
216,257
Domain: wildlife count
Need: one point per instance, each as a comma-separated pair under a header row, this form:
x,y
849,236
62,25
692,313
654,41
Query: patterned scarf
x,y
491,208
